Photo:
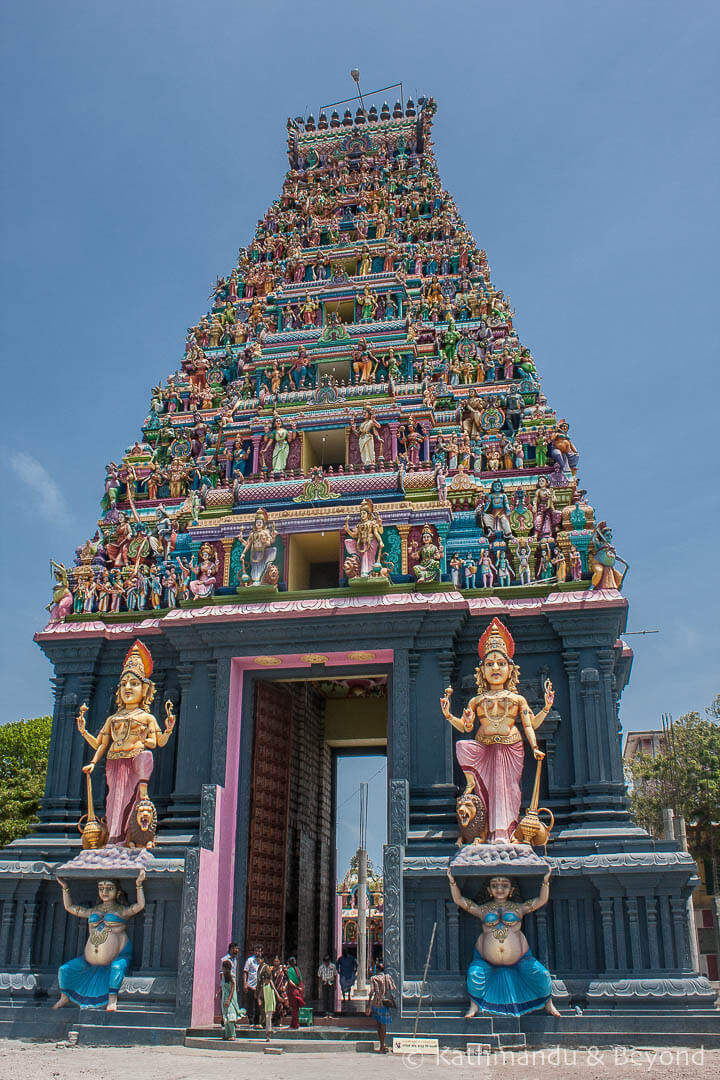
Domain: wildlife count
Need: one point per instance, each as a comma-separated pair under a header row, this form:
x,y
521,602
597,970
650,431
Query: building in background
x,y
651,742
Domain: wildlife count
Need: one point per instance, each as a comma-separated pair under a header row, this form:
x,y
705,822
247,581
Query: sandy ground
x,y
47,1061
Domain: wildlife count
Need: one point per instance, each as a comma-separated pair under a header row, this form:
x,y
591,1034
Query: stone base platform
x,y
130,1026
539,1030
111,861
153,1026
489,860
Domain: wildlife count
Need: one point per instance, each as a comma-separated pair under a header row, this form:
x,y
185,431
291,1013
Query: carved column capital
x,y
446,664
571,661
184,674
58,685
212,675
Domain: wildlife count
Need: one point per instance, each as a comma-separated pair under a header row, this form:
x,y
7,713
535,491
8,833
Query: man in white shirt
x,y
327,976
250,978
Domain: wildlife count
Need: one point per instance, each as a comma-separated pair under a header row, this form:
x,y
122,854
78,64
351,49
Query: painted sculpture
x,y
367,431
261,549
492,762
429,557
128,738
504,978
93,979
365,540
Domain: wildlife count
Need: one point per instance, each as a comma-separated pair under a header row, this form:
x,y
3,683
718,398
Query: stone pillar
x,y
652,932
452,916
393,915
443,528
571,661
446,665
590,693
227,546
542,935
194,741
678,910
393,425
606,920
398,812
403,532
399,727
148,921
608,734
6,925
631,904
256,439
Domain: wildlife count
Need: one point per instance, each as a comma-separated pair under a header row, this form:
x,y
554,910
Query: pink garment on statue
x,y
367,558
123,775
497,770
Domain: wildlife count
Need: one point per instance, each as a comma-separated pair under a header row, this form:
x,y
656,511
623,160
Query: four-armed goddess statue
x,y
493,761
129,736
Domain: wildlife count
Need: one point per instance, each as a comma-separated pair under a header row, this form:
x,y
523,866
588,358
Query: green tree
x,y
24,747
684,775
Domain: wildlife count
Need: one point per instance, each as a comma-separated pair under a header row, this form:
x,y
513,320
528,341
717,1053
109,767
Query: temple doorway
x,y
311,736
355,771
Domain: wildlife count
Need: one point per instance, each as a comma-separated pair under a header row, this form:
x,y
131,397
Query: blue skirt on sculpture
x,y
511,989
89,985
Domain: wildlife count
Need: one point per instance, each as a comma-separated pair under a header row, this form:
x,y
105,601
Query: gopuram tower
x,y
352,471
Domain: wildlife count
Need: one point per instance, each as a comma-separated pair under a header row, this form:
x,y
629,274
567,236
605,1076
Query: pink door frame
x,y
213,927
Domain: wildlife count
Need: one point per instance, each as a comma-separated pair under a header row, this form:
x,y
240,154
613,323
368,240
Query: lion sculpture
x,y
143,825
472,819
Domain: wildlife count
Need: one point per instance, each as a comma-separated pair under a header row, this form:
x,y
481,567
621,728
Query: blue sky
x,y
143,140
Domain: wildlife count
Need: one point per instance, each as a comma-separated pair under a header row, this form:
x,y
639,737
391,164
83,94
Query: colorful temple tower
x,y
351,472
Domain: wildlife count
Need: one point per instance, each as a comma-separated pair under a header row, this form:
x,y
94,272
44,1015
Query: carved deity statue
x,y
492,762
504,977
261,547
93,979
128,737
366,538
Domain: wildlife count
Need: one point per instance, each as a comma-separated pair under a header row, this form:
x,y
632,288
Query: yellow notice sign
x,y
415,1046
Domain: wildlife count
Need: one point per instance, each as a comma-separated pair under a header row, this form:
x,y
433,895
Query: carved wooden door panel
x,y
269,819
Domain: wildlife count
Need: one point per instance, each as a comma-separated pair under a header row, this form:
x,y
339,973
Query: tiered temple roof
x,y
357,362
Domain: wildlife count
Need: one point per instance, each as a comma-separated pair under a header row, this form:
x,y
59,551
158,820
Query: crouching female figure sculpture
x,y
504,977
93,980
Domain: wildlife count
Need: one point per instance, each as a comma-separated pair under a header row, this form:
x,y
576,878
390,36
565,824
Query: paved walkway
x,y
29,1061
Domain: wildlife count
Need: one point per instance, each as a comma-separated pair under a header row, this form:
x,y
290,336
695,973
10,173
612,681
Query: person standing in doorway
x,y
327,974
231,955
295,991
267,997
280,982
228,1001
347,967
380,1002
250,977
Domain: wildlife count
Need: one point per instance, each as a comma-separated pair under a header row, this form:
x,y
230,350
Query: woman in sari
x,y
295,991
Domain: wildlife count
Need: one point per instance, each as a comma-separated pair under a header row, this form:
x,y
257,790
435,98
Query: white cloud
x,y
50,502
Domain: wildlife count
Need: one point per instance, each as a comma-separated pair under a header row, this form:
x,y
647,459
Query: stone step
x,y
138,1026
302,1034
71,1016
292,1046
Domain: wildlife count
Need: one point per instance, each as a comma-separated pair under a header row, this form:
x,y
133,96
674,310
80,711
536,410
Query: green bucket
x,y
305,1016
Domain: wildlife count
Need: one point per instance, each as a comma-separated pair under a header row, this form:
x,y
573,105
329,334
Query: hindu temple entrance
x,y
302,728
